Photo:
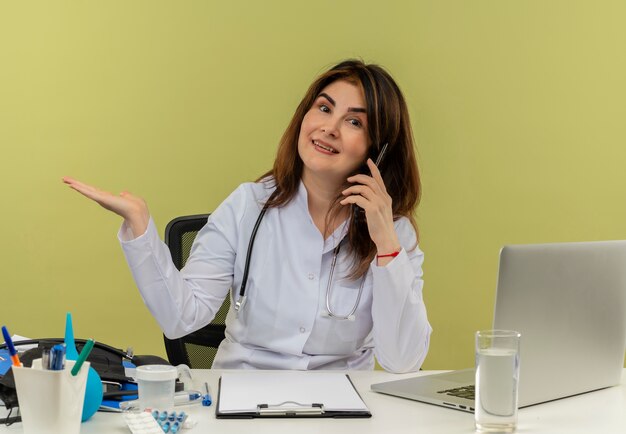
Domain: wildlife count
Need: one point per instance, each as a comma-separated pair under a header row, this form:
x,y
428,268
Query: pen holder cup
x,y
50,401
156,386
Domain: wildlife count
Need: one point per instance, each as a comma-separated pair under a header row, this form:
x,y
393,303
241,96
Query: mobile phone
x,y
357,211
381,155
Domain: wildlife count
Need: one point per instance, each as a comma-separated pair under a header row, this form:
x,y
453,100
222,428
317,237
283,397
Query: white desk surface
x,y
602,411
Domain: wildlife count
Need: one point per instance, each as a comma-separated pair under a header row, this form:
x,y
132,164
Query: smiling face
x,y
333,139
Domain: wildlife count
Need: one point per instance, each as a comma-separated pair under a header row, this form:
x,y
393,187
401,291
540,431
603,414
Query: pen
x,y
45,358
206,400
83,356
57,358
12,352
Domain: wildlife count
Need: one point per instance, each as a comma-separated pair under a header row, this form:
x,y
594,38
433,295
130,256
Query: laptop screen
x,y
568,300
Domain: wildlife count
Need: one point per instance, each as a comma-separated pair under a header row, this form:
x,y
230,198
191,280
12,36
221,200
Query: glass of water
x,y
497,380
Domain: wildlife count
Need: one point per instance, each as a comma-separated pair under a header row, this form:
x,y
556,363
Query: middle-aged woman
x,y
335,274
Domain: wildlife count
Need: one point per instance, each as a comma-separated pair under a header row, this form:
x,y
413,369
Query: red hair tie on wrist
x,y
388,255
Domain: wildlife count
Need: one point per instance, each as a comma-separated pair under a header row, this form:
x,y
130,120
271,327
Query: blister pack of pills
x,y
156,422
142,423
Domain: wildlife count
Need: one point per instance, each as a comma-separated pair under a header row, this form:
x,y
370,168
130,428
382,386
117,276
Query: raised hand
x,y
370,193
133,209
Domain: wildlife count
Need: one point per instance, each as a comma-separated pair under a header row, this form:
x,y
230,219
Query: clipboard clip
x,y
289,408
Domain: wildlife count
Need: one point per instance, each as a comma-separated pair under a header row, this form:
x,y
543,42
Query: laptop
x,y
568,301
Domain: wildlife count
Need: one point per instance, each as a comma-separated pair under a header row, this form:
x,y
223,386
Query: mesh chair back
x,y
197,349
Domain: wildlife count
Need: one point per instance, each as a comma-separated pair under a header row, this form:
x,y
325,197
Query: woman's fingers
x,y
375,181
133,209
104,198
366,198
370,193
364,180
86,189
378,177
76,183
124,205
360,190
370,187
360,201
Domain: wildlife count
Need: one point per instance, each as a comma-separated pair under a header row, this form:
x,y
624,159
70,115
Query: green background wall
x,y
517,107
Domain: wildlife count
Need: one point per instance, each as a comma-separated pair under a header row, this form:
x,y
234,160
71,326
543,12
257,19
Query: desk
x,y
603,412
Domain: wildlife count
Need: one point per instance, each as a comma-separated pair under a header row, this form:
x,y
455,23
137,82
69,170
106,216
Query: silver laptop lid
x,y
568,300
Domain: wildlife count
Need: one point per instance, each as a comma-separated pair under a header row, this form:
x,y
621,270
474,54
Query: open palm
x,y
133,209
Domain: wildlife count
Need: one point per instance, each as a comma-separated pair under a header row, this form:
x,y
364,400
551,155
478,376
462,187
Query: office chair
x,y
197,349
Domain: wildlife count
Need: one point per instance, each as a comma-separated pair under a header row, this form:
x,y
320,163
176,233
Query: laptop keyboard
x,y
460,392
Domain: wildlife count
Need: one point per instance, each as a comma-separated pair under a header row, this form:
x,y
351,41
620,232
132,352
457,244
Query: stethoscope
x,y
238,304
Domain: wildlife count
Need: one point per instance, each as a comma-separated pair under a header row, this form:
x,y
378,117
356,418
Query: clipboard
x,y
292,394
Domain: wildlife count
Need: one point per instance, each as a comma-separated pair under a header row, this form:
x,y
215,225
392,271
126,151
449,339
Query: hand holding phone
x,y
357,211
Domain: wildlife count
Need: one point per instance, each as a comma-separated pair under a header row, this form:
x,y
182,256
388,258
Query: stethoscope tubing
x,y
239,303
242,290
351,316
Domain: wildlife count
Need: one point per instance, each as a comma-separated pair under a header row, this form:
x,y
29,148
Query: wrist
x,y
390,245
390,254
138,224
385,257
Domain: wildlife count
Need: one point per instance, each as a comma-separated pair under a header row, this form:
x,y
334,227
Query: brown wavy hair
x,y
388,122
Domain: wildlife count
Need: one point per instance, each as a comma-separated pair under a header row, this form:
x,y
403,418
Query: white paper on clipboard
x,y
243,392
